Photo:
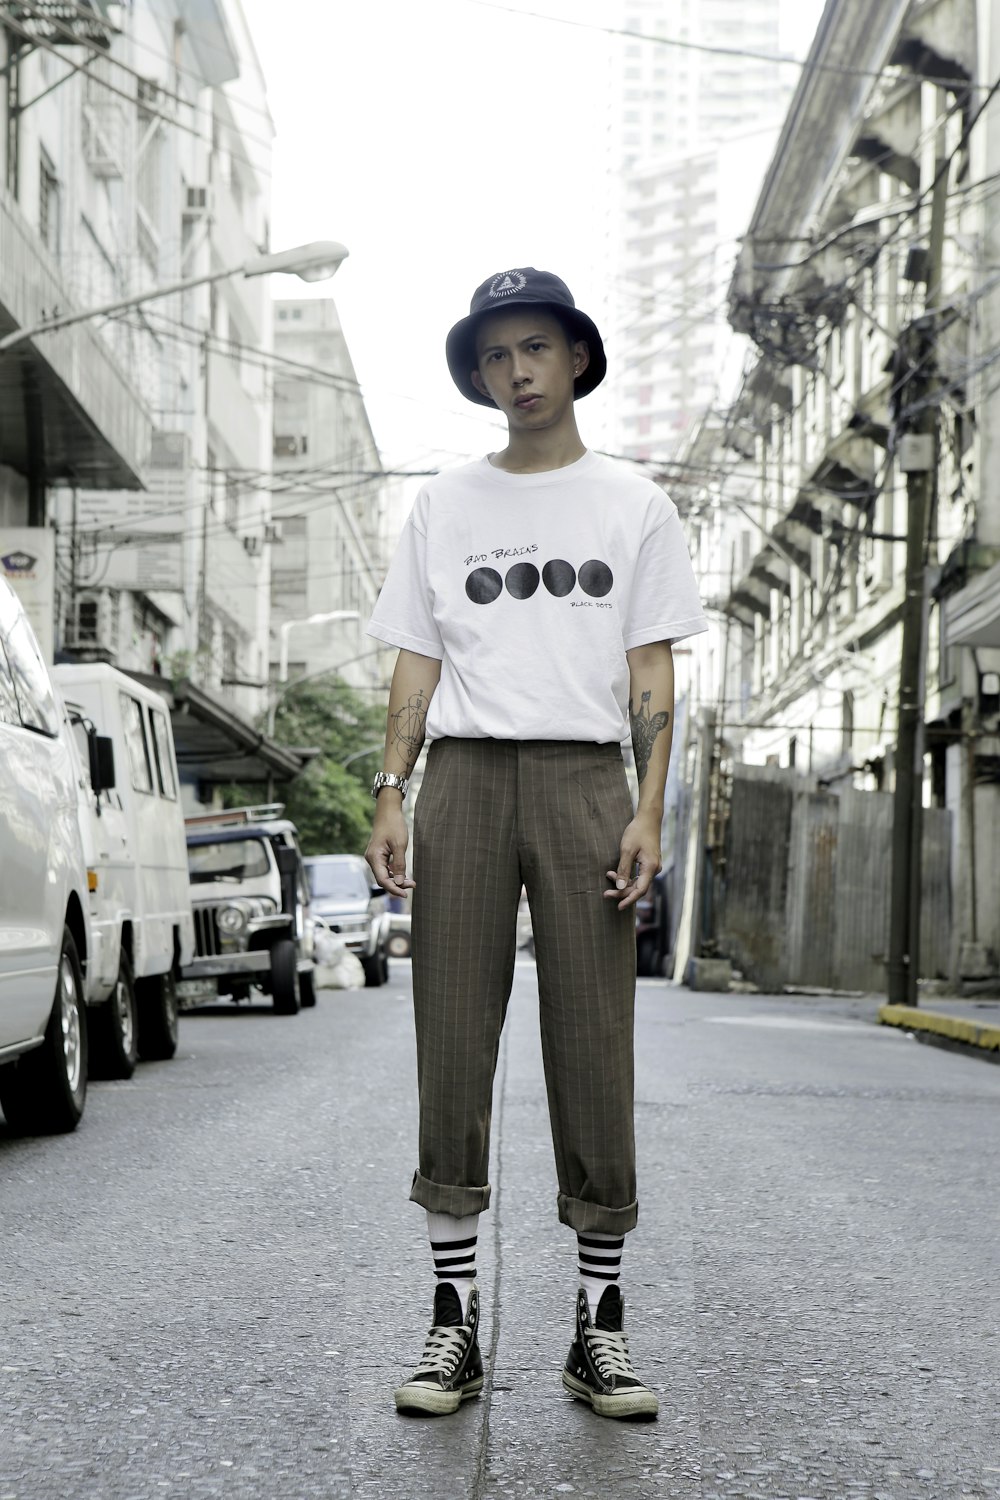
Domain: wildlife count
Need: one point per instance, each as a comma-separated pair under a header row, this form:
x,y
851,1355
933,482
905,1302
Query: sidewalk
x,y
967,1022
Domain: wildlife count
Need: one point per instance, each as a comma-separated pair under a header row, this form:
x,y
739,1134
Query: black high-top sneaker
x,y
451,1369
598,1368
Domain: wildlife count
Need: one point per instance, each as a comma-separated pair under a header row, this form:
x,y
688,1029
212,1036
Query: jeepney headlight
x,y
232,920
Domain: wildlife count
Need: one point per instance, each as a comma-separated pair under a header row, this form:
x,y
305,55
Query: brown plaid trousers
x,y
493,815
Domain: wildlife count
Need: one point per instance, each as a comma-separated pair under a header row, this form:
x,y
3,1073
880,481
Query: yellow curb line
x,y
954,1027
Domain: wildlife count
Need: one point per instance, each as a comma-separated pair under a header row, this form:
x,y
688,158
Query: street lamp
x,y
313,262
284,631
287,626
368,750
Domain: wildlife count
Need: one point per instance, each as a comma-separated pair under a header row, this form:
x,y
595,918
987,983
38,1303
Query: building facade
x,y
867,287
138,156
329,506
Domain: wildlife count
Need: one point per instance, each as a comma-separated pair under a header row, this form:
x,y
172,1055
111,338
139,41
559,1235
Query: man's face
x,y
527,366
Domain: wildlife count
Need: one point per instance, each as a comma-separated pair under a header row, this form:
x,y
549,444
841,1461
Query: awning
x,y
216,745
67,409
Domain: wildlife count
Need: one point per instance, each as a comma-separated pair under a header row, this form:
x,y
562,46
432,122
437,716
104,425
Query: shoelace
x,y
609,1351
443,1351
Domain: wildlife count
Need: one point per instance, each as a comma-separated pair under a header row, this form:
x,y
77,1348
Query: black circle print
x,y
596,578
522,580
483,585
559,577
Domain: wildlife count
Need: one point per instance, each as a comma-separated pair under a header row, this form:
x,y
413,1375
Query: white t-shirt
x,y
529,589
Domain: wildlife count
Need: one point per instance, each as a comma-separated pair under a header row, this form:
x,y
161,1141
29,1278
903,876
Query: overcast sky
x,y
440,142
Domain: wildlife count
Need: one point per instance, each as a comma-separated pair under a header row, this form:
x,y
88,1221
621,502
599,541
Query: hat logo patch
x,y
508,283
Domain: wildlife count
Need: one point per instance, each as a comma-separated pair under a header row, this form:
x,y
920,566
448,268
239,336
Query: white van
x,y
45,943
133,835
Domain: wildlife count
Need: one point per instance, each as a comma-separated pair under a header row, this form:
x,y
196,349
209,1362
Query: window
x,y
337,879
8,698
36,706
135,739
48,202
161,750
229,859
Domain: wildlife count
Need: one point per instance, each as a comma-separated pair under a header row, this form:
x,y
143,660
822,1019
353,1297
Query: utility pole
x,y
918,459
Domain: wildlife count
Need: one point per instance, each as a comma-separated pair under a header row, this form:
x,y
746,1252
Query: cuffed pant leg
x,y
585,950
464,934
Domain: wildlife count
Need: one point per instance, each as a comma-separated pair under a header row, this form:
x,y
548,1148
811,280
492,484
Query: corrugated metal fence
x,y
802,894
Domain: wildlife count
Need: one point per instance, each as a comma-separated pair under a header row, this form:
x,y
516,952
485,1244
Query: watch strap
x,y
386,778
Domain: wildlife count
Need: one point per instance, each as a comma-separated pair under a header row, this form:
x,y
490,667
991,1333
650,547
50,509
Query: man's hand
x,y
386,852
640,847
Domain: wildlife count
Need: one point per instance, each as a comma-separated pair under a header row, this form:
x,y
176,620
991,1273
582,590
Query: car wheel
x,y
307,989
398,945
375,971
285,991
114,1030
44,1092
158,1012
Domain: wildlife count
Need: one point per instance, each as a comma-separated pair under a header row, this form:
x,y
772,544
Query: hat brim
x,y
460,349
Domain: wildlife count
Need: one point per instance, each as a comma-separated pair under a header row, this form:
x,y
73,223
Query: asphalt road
x,y
212,1287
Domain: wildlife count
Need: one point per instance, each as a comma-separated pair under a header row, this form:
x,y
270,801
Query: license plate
x,y
197,989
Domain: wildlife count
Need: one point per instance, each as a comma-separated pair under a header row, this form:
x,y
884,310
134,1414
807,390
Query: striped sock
x,y
453,1245
600,1258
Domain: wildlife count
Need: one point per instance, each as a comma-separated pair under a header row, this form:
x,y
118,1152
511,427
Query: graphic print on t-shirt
x,y
594,577
531,590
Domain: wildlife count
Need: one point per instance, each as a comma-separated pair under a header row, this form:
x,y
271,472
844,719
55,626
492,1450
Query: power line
x,y
713,49
148,108
905,213
171,63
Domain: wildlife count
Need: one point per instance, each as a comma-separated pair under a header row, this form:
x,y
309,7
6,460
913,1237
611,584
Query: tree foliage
x,y
330,802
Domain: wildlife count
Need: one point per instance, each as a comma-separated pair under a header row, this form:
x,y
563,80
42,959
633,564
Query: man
x,y
533,598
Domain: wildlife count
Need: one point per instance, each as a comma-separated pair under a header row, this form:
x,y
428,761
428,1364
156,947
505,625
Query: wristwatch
x,y
386,778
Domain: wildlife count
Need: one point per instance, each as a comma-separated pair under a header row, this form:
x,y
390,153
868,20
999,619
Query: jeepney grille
x,y
206,932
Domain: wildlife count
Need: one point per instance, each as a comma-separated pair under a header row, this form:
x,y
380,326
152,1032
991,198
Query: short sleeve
x,y
664,604
403,615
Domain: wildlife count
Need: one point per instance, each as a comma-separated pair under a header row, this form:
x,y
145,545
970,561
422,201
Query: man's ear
x,y
581,356
479,383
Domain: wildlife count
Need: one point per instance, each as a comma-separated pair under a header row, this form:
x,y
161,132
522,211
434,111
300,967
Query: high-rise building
x,y
329,506
693,134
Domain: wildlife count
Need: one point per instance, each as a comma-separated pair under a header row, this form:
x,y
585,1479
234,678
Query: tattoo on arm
x,y
408,727
645,727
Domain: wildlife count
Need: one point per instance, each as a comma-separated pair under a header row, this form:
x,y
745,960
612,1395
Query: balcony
x,y
67,410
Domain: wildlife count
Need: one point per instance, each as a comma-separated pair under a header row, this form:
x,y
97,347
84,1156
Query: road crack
x,y
482,1457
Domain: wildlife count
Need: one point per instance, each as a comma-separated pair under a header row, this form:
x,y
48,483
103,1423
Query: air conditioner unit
x,y
253,545
198,202
91,627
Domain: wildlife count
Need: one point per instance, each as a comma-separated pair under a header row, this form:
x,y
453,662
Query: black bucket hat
x,y
528,288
